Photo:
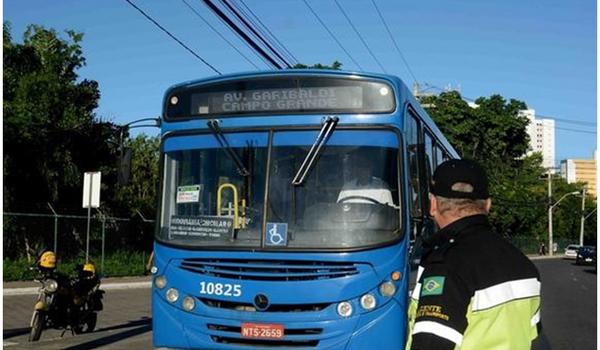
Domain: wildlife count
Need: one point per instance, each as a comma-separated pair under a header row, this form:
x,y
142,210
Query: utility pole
x,y
582,216
550,242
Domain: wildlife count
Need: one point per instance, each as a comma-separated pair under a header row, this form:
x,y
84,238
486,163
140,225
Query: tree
x,y
140,193
336,65
491,132
495,135
51,133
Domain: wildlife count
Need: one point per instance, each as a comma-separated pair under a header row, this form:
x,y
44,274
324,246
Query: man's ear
x,y
488,205
432,205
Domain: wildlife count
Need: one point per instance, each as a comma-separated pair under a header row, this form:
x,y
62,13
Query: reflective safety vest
x,y
474,291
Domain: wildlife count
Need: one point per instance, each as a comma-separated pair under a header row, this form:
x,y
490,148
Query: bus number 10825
x,y
225,289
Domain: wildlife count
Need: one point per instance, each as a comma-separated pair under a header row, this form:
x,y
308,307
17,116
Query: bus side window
x,y
412,141
428,156
439,155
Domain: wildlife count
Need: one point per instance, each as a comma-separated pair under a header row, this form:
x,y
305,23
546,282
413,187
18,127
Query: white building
x,y
541,137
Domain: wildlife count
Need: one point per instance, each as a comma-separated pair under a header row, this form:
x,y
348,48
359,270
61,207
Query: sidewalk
x,y
109,283
544,257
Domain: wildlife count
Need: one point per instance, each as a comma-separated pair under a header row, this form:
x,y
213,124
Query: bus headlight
x,y
387,289
153,270
188,303
160,281
172,295
368,302
344,309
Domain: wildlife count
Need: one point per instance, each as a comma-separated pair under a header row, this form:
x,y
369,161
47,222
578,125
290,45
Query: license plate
x,y
262,330
588,259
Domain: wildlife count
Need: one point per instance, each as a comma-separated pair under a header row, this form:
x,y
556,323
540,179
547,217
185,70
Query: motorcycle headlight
x,y
50,285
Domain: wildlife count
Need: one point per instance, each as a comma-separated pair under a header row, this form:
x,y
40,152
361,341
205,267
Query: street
x,y
568,315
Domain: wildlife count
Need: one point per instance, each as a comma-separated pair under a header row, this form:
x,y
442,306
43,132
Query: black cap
x,y
454,171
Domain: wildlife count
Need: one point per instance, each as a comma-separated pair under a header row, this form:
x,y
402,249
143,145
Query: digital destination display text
x,y
278,100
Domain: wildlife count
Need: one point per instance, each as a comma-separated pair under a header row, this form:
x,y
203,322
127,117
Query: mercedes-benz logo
x,y
261,302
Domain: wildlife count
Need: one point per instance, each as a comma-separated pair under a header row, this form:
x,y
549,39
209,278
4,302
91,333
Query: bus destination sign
x,y
278,100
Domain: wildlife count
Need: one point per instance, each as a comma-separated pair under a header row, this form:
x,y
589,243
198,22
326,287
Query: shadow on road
x,y
15,332
141,322
141,326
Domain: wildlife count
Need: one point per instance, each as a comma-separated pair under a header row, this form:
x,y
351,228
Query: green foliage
x,y
492,132
51,134
140,193
118,264
495,135
336,65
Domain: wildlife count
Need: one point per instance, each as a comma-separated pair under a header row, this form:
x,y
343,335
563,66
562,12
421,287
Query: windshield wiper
x,y
213,125
315,150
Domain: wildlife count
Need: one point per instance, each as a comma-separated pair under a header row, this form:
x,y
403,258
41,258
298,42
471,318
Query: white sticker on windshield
x,y
188,194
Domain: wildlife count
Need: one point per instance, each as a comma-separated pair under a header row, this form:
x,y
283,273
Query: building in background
x,y
541,137
580,170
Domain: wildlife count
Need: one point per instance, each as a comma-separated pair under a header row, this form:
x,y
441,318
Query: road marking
x,y
111,286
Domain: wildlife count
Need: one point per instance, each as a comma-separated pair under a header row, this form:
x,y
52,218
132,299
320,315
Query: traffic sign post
x,y
91,199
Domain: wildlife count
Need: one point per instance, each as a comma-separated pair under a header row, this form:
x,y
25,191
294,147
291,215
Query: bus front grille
x,y
232,305
269,270
236,339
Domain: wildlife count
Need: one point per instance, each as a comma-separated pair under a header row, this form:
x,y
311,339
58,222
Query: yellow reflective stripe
x,y
439,330
505,292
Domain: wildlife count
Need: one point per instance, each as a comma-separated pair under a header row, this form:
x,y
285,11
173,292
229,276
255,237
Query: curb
x,y
110,286
545,257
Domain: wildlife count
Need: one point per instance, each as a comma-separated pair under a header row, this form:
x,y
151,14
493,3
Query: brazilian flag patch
x,y
433,285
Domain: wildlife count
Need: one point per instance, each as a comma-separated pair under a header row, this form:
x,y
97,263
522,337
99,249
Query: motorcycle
x,y
68,303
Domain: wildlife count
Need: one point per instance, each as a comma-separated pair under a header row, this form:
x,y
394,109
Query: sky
x,y
542,52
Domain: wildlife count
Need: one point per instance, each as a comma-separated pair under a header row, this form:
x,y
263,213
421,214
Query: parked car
x,y
586,255
571,251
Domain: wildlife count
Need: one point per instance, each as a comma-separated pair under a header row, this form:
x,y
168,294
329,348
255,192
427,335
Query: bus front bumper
x,y
173,328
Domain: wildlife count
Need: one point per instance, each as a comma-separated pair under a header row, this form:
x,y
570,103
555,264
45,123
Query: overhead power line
x,y
173,37
540,116
571,121
255,32
242,34
359,36
332,35
576,130
395,43
269,33
219,34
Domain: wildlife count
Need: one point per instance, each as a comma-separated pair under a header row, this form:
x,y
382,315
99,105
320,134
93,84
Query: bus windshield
x,y
348,200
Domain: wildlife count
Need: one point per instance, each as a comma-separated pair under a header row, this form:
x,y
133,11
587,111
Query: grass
x,y
118,264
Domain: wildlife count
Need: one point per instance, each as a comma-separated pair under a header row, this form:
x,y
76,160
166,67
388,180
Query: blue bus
x,y
288,204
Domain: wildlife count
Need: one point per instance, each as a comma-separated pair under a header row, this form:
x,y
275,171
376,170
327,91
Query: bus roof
x,y
405,95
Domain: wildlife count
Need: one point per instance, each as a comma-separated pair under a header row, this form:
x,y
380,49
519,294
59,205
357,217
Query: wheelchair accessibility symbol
x,y
276,234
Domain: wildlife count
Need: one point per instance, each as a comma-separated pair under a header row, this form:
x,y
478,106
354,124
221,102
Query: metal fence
x,y
27,234
532,245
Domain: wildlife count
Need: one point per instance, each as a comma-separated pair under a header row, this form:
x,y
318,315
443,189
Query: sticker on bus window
x,y
276,234
188,194
203,227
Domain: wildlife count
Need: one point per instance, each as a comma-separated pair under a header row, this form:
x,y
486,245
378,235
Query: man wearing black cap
x,y
474,289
